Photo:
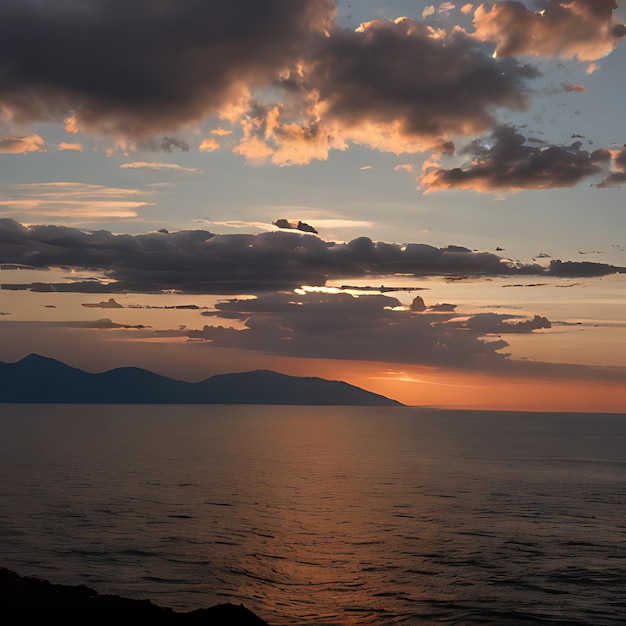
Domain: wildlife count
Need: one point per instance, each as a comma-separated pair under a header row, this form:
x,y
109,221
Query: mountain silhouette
x,y
38,379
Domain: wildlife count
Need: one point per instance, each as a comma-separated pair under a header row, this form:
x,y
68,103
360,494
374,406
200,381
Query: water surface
x,y
323,515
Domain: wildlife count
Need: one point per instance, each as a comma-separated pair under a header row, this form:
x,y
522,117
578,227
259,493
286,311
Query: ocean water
x,y
323,515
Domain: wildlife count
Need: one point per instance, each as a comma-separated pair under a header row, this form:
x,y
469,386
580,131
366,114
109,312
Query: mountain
x,y
38,379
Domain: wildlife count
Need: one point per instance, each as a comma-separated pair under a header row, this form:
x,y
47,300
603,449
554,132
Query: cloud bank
x,y
341,326
197,261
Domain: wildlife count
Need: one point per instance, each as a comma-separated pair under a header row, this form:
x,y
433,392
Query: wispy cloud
x,y
154,165
71,200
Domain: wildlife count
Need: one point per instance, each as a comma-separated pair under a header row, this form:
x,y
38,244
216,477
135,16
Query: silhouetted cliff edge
x,y
38,379
23,599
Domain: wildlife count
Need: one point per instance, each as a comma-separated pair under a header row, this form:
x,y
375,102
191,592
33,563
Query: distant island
x,y
41,380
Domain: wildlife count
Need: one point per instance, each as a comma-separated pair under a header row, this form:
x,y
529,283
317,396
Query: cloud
x,y
71,199
617,177
342,326
138,69
141,73
108,304
209,145
407,167
579,268
446,7
573,87
20,145
583,29
347,94
75,147
504,161
163,144
498,323
197,261
67,199
299,225
152,165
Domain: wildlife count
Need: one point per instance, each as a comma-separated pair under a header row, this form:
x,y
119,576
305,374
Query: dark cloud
x,y
288,225
341,326
498,323
108,304
363,87
371,76
505,161
147,66
198,261
581,269
583,29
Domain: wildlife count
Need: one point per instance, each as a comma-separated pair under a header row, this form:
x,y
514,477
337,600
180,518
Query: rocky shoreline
x,y
24,598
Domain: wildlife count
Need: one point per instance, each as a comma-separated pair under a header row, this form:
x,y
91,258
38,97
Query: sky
x,y
425,200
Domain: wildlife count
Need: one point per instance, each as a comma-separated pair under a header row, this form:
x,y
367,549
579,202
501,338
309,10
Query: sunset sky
x,y
187,185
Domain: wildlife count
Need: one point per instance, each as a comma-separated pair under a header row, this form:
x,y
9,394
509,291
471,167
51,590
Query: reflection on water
x,y
323,515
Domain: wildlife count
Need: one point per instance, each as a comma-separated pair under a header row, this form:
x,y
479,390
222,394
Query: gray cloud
x,y
370,77
164,144
505,161
499,323
144,67
341,326
362,87
198,261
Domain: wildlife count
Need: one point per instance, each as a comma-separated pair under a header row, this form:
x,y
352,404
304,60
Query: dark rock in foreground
x,y
23,599
37,379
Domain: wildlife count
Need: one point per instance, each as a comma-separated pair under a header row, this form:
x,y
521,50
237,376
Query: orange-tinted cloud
x,y
346,94
73,147
581,29
20,145
209,145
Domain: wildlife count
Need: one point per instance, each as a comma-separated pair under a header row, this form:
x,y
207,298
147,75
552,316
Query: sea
x,y
323,515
